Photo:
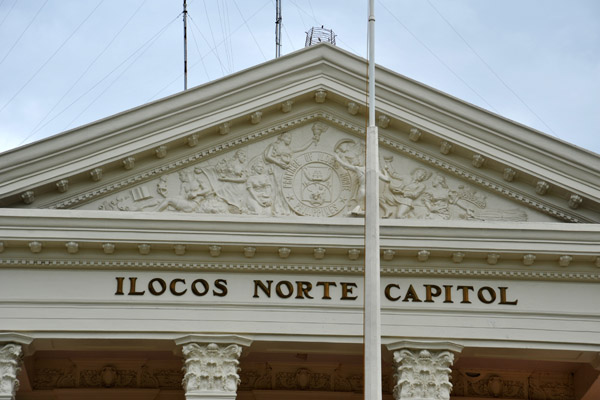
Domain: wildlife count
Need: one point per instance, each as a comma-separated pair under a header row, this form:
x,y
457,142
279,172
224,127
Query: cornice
x,y
26,220
121,240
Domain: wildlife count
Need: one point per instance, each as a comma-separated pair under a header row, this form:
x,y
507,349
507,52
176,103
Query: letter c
x,y
388,293
173,287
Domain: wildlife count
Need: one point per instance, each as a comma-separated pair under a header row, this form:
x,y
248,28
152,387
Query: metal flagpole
x,y
372,318
278,29
184,44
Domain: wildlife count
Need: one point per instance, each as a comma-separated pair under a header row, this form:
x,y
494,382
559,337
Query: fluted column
x,y
423,369
11,355
211,365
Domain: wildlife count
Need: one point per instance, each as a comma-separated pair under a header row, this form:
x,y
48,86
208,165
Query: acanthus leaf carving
x,y
423,374
211,368
10,364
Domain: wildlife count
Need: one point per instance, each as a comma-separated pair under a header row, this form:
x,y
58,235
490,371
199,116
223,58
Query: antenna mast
x,y
184,44
278,29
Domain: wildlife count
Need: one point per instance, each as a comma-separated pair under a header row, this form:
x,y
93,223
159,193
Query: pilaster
x,y
211,366
423,369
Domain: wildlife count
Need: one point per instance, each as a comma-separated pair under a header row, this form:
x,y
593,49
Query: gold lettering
x,y
503,297
490,291
132,291
195,289
288,285
465,290
388,293
163,286
173,287
347,290
266,289
303,289
220,284
448,294
431,291
119,285
326,289
411,295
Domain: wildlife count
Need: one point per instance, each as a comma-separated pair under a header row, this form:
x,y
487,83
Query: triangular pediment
x,y
286,138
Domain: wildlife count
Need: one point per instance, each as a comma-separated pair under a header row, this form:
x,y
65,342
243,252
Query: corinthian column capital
x,y
11,355
423,369
211,365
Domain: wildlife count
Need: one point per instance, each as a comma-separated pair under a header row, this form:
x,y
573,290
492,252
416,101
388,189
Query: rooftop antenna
x,y
318,35
372,286
185,44
278,29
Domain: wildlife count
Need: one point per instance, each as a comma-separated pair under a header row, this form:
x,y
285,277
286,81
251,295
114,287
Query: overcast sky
x,y
64,63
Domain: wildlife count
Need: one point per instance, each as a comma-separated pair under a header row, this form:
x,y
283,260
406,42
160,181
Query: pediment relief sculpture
x,y
315,170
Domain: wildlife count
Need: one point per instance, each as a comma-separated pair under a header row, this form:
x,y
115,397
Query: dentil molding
x,y
335,269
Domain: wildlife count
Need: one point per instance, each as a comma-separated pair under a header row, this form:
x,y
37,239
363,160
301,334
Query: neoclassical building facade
x,y
210,245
